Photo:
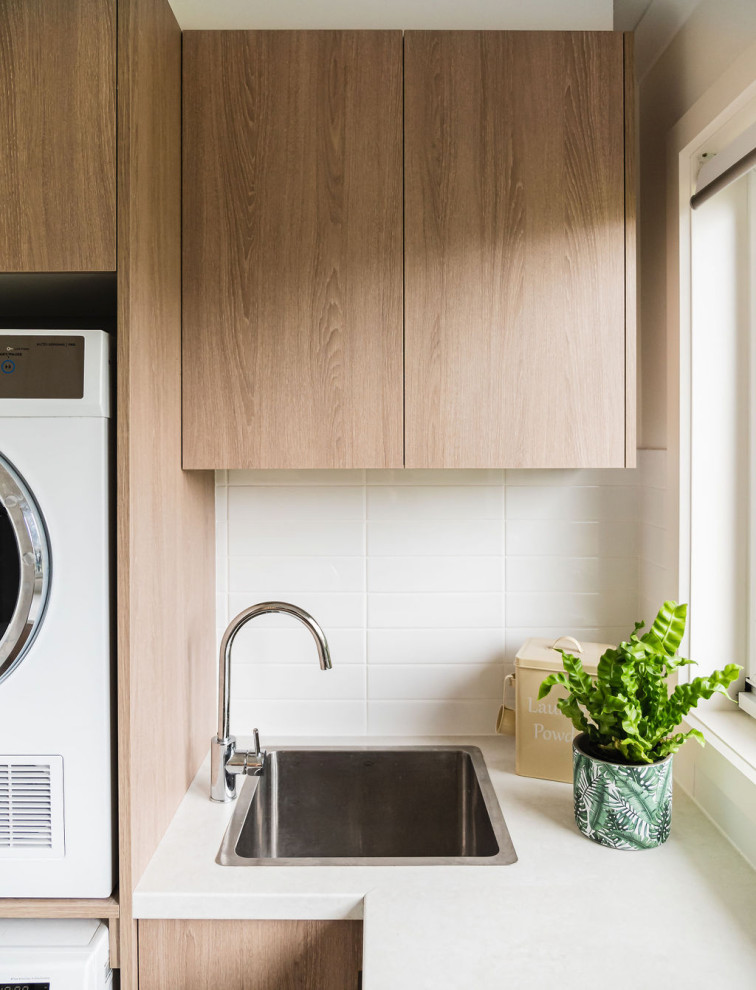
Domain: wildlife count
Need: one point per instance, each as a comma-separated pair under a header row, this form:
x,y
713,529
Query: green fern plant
x,y
628,713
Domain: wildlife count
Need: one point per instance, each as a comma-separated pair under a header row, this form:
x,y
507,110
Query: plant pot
x,y
625,807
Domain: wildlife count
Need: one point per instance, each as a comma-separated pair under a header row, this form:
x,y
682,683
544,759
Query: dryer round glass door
x,y
24,569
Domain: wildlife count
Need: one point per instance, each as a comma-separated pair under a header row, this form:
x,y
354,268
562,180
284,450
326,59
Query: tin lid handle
x,y
568,640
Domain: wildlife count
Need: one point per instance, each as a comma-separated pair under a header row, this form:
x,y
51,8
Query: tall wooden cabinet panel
x,y
57,135
292,231
515,250
250,955
165,546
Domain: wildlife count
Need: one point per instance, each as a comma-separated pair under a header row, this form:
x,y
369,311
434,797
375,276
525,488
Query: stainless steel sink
x,y
363,807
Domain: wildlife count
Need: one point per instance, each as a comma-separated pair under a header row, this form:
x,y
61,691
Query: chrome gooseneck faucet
x,y
226,762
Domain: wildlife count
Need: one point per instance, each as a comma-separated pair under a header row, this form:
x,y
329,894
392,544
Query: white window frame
x,y
717,134
747,699
721,778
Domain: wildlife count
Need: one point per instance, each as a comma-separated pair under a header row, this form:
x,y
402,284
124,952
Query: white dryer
x,y
56,782
60,954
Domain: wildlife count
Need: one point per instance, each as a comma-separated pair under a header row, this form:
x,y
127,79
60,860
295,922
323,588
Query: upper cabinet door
x,y
292,277
57,135
515,250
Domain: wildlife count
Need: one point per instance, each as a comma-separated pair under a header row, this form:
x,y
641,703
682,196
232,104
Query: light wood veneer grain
x,y
514,249
292,249
249,955
57,135
165,544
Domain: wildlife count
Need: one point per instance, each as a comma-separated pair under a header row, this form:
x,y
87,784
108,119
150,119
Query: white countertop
x,y
569,913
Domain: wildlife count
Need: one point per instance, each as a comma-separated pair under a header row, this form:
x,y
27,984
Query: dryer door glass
x,y
24,569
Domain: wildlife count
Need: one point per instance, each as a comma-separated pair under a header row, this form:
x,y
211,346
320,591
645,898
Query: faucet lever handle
x,y
258,750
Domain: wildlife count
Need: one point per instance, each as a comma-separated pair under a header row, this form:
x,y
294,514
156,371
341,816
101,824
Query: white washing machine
x,y
56,783
54,955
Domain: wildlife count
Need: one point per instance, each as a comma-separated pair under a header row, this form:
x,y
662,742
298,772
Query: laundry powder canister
x,y
544,736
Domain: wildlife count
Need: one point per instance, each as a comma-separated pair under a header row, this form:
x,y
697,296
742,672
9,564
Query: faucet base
x,y
222,783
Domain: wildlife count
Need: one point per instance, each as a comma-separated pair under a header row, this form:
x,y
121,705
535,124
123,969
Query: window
x,y
723,414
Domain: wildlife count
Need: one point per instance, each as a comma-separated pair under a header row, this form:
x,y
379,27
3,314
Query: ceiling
x,y
627,13
655,21
439,14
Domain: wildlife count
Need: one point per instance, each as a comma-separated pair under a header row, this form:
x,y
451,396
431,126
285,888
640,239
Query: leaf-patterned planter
x,y
625,807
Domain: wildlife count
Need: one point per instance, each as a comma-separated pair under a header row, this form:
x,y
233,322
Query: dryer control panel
x,y
41,367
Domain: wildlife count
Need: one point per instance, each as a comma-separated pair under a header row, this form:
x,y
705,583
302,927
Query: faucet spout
x,y
226,762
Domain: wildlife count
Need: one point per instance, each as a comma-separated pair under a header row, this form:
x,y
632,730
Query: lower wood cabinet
x,y
250,955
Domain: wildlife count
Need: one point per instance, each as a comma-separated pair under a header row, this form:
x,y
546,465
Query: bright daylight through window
x,y
723,416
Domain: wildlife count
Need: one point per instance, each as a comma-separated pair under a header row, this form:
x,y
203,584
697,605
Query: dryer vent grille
x,y
31,806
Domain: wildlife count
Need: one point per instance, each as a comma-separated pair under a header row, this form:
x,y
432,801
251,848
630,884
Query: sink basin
x,y
346,807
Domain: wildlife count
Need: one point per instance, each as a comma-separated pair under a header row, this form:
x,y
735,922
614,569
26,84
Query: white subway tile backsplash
x,y
298,681
434,537
652,468
409,574
566,477
571,575
333,610
654,541
554,608
613,504
426,584
432,718
436,646
526,537
653,544
221,609
448,610
655,587
313,573
221,538
291,717
262,643
653,505
420,503
306,477
259,505
411,476
430,682
300,535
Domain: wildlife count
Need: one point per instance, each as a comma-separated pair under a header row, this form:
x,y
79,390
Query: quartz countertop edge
x,y
472,926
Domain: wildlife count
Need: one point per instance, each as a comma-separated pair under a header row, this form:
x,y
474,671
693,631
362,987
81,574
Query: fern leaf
x,y
668,628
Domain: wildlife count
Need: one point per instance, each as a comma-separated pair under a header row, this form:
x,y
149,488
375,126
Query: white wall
x,y
425,14
426,583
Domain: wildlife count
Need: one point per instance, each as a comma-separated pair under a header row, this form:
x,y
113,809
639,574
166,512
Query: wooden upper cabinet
x,y
292,275
57,135
515,251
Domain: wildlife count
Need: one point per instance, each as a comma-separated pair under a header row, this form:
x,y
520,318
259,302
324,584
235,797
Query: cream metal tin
x,y
543,735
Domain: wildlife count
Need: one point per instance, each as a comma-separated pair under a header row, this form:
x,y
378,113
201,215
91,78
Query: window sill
x,y
731,732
